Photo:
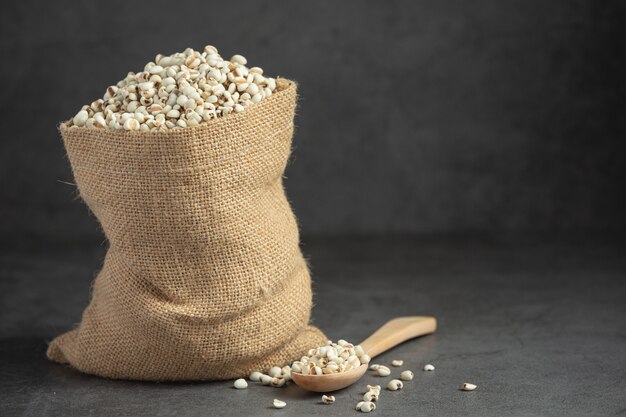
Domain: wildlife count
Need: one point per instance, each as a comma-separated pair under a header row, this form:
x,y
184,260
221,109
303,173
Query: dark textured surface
x,y
415,116
538,326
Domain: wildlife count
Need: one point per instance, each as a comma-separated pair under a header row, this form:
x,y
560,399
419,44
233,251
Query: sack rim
x,y
286,84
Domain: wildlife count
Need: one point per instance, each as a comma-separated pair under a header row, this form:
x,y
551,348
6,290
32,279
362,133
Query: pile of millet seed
x,y
332,358
176,91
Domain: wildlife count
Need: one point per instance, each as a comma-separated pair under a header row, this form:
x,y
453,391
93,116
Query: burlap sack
x,y
204,278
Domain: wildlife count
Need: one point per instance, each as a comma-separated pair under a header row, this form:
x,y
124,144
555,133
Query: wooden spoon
x,y
388,336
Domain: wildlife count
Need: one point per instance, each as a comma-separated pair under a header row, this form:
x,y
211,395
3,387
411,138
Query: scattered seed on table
x,y
328,399
370,396
278,382
406,375
383,371
241,384
394,385
279,404
372,393
397,362
368,406
468,387
255,376
429,367
274,371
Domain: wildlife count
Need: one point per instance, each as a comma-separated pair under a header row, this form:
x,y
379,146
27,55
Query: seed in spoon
x,y
331,358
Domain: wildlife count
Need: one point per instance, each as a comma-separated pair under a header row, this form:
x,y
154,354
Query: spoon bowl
x,y
329,382
388,336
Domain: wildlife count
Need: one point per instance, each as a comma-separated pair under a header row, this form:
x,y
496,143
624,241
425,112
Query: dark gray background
x,y
491,132
416,116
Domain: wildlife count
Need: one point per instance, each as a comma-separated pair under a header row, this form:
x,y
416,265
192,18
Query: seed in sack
x,y
189,88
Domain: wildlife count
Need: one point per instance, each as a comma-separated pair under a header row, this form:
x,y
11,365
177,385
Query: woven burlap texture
x,y
204,278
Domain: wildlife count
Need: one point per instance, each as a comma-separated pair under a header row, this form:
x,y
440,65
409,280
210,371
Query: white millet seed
x,y
368,406
397,362
279,404
131,124
286,373
468,387
278,382
328,399
265,379
240,384
406,375
383,371
429,367
358,405
374,367
81,118
255,376
238,59
173,114
274,372
394,385
371,396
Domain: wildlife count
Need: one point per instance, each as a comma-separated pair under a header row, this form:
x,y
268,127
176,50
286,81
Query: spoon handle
x,y
397,331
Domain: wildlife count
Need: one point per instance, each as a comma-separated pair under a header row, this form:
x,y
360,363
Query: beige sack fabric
x,y
204,278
